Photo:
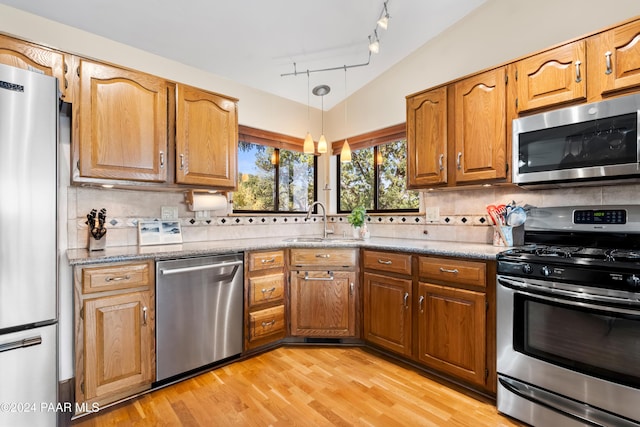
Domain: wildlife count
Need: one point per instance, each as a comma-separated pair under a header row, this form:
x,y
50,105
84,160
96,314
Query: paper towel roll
x,y
208,202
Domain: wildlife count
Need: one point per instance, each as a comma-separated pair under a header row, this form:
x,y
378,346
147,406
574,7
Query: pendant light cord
x,y
308,115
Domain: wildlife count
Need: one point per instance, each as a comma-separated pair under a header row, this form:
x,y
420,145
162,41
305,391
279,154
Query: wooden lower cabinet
x,y
323,304
265,288
387,312
452,332
115,330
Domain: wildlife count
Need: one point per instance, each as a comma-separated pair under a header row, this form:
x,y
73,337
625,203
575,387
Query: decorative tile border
x,y
467,220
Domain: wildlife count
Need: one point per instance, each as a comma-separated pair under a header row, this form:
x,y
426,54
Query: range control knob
x,y
633,281
546,271
526,268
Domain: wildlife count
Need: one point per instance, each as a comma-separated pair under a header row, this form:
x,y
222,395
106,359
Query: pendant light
x,y
345,154
321,91
308,146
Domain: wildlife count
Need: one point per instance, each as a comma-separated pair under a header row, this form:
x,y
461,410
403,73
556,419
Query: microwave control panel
x,y
600,216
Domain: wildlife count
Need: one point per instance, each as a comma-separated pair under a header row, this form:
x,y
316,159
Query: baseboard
x,y
66,394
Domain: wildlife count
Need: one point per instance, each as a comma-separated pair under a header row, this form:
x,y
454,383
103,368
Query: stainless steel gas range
x,y
568,318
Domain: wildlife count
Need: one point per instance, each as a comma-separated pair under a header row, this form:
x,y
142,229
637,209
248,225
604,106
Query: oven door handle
x,y
559,296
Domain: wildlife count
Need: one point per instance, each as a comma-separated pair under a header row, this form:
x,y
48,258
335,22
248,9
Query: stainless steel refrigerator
x,y
28,248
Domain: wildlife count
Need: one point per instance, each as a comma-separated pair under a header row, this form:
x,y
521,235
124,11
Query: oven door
x,y
567,354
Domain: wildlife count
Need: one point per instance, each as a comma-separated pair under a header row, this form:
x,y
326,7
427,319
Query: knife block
x,y
97,245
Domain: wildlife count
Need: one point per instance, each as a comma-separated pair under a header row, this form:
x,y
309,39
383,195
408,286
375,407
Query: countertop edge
x,y
482,251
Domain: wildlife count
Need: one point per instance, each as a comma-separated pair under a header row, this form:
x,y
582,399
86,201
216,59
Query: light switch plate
x,y
433,214
169,213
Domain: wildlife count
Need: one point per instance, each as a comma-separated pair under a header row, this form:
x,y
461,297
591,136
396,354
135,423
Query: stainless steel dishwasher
x,y
198,312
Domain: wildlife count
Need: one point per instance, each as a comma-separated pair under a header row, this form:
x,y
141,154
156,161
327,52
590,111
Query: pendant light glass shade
x,y
345,154
308,147
322,144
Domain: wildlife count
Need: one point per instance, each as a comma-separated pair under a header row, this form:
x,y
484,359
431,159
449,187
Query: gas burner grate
x,y
558,251
622,255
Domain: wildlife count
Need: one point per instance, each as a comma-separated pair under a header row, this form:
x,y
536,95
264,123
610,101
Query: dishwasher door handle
x,y
170,271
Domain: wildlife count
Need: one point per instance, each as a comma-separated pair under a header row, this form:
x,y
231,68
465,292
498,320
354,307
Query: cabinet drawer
x,y
323,257
117,276
454,271
266,322
388,262
266,289
264,260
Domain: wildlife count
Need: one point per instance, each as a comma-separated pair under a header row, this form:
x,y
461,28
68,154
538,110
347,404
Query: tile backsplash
x,y
462,214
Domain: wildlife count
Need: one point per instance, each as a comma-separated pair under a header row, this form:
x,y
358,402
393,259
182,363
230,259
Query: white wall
x,y
497,32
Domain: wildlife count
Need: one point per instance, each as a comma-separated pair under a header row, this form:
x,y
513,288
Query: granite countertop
x,y
184,250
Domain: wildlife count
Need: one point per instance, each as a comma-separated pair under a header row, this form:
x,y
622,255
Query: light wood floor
x,y
305,386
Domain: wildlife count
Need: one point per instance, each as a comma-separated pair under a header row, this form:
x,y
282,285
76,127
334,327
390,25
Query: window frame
x,y
371,140
277,141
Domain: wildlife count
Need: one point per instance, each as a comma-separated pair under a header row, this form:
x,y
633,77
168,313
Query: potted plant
x,y
357,219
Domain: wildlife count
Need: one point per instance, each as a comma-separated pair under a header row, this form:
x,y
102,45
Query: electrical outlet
x,y
169,213
203,215
433,214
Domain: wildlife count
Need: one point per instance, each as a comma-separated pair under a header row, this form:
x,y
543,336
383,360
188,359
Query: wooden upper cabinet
x,y
427,138
554,77
614,61
479,122
206,138
28,56
122,130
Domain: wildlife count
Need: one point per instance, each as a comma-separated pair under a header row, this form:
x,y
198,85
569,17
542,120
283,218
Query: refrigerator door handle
x,y
27,342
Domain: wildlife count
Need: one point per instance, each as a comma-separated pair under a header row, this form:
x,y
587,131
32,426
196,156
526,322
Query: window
x,y
273,173
376,176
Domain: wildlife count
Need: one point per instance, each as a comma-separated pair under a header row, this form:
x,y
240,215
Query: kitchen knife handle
x,y
607,58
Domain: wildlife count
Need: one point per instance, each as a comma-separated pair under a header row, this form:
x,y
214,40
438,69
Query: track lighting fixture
x,y
374,42
321,91
308,146
383,22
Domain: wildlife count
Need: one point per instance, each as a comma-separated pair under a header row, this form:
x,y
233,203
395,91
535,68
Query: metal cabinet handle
x,y
446,270
351,286
268,291
181,161
420,301
318,279
323,255
271,323
441,162
26,342
459,160
607,57
385,262
578,75
162,159
144,316
116,278
268,260
406,300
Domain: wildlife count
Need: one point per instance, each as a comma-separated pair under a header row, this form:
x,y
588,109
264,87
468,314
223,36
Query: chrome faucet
x,y
324,217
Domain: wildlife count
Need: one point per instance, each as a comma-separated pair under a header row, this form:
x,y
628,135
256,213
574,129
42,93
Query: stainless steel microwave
x,y
581,145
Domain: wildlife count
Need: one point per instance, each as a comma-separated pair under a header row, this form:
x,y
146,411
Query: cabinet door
x,y
118,346
452,331
20,54
427,138
614,60
122,117
553,77
387,312
480,127
206,139
323,304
